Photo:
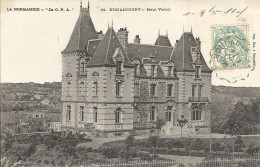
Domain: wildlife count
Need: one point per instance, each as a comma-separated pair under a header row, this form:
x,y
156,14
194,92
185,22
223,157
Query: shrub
x,y
79,136
206,149
145,156
252,149
169,144
110,152
129,141
198,145
128,154
53,162
178,144
159,124
239,144
50,141
216,147
46,161
153,141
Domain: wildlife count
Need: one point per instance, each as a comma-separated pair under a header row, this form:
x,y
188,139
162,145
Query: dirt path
x,y
97,142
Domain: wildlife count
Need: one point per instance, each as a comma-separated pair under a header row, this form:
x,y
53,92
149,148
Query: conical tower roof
x,y
163,40
84,30
105,51
182,53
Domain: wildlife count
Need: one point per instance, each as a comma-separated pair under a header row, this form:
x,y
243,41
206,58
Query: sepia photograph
x,y
133,83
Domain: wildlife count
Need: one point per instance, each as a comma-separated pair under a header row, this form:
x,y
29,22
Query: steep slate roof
x,y
141,51
92,46
177,55
106,49
84,30
163,40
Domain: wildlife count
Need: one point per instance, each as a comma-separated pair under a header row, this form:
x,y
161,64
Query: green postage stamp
x,y
230,47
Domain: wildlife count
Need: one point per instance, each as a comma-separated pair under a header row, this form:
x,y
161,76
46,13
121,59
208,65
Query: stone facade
x,y
110,86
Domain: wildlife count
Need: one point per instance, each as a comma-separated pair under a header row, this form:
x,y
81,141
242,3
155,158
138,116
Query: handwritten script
x,y
214,11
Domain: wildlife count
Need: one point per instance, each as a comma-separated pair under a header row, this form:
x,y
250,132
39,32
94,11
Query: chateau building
x,y
111,86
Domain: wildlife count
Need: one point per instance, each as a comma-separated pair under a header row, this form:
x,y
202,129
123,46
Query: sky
x,y
32,41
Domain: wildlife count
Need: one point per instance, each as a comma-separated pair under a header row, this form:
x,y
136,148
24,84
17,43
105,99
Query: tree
x,y
243,119
18,130
182,122
159,124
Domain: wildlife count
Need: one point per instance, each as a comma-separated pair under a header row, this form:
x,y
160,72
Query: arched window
x,y
95,77
168,113
196,113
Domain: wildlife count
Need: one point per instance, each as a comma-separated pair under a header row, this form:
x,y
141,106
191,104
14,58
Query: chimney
x,y
100,34
122,36
137,39
176,42
198,42
198,50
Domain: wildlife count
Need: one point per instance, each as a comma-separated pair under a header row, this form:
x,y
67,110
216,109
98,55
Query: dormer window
x,y
118,67
152,70
83,67
169,70
136,63
136,69
118,58
197,71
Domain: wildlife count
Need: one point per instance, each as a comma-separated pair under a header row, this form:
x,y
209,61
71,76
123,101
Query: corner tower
x,y
110,76
74,79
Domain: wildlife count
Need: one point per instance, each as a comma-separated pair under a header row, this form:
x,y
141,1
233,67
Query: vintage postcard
x,y
130,83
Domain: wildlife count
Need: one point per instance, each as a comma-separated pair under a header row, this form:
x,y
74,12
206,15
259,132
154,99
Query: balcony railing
x,y
198,99
119,78
82,98
119,98
118,126
137,98
94,98
68,123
